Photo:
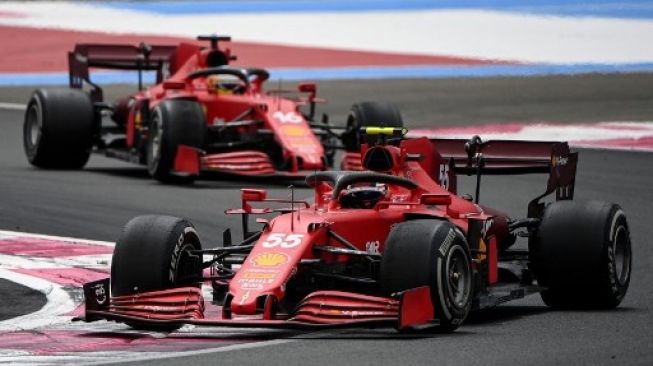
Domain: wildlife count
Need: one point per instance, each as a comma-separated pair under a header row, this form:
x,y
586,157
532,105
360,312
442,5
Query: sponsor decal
x,y
259,275
244,298
282,240
287,117
444,176
559,161
372,247
447,242
256,280
100,294
293,130
269,260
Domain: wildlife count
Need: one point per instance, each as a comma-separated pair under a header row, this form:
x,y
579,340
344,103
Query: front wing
x,y
320,309
191,161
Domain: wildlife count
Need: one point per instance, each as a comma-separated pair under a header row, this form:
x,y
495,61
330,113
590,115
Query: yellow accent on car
x,y
384,130
270,259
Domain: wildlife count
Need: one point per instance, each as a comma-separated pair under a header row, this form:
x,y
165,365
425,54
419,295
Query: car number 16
x,y
282,240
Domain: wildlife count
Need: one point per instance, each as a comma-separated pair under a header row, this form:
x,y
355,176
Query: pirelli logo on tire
x,y
448,241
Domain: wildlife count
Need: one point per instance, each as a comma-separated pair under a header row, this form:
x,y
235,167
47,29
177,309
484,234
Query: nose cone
x,y
296,136
269,266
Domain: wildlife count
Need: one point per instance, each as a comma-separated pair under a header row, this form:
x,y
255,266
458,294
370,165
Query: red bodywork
x,y
324,235
238,115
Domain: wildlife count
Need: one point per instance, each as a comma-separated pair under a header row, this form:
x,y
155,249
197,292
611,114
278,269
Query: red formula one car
x,y
391,245
201,115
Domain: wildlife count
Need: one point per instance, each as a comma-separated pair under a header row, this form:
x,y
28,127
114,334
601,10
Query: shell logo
x,y
293,131
269,260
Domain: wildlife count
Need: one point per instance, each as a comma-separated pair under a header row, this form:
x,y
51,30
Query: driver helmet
x,y
222,84
362,196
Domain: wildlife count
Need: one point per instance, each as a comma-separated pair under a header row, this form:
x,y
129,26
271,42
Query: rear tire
x,y
380,114
430,253
173,123
58,129
582,253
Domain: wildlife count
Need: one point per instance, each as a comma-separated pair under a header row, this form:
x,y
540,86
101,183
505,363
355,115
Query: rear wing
x,y
509,157
120,57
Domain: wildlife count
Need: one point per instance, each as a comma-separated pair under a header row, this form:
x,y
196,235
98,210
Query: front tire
x,y
58,128
153,253
430,253
582,254
173,123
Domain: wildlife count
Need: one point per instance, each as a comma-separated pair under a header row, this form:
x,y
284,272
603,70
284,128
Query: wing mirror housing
x,y
255,195
307,88
434,199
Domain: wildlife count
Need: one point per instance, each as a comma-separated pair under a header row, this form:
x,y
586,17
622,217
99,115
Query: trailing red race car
x,y
201,115
391,245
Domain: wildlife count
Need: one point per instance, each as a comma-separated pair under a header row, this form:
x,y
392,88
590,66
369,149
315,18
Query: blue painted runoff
x,y
574,8
353,73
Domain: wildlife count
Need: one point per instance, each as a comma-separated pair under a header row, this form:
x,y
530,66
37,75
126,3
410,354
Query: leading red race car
x,y
201,115
391,245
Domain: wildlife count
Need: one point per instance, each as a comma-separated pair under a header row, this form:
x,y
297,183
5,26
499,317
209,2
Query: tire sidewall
x,y
618,282
32,147
148,253
66,126
573,255
450,312
417,253
173,122
157,159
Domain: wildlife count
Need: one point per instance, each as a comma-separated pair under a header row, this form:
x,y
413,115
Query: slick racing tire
x,y
173,123
58,128
153,253
430,253
582,253
369,114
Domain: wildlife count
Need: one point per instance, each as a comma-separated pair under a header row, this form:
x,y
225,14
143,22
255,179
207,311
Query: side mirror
x,y
249,194
433,199
307,88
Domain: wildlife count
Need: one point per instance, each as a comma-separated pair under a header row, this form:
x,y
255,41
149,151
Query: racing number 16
x,y
282,240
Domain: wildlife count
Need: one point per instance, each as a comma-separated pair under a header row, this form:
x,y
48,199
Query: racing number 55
x,y
282,240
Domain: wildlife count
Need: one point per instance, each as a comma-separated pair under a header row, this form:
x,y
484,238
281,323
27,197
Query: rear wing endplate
x,y
509,157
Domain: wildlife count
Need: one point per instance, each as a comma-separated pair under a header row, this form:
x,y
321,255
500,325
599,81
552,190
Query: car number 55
x,y
282,240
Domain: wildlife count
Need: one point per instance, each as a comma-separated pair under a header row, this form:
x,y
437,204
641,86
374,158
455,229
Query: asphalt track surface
x,y
96,202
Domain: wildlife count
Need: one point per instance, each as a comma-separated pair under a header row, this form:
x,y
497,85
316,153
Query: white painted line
x,y
167,355
13,106
83,261
13,234
629,136
58,303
